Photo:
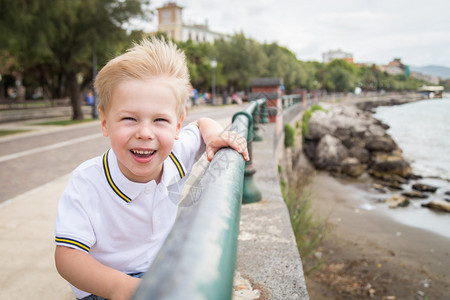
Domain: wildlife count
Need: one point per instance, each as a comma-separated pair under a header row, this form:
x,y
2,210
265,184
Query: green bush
x,y
289,135
307,115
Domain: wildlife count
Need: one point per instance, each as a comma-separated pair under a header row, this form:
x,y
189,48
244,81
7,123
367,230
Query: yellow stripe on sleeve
x,y
72,242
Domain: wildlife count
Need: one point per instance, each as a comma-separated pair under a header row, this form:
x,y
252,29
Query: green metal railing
x,y
290,100
255,113
294,99
198,259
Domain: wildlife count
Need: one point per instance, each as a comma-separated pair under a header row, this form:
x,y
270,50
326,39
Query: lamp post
x,y
213,70
94,75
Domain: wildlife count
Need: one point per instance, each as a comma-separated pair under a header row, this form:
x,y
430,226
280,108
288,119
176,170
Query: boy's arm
x,y
215,138
87,274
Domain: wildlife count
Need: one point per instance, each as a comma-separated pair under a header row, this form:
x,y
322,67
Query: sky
x,y
374,31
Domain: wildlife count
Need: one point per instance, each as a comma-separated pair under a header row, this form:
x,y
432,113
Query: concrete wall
x,y
267,252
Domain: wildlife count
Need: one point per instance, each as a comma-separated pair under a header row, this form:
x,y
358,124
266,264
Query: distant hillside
x,y
439,71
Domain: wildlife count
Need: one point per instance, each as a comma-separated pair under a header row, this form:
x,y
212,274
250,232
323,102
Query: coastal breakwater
x,y
347,140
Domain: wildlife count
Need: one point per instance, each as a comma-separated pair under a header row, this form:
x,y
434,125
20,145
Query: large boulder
x,y
384,165
438,205
319,125
359,153
330,153
415,195
397,201
374,130
422,187
380,144
309,148
353,167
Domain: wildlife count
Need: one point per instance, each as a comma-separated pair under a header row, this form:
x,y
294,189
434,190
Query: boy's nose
x,y
145,131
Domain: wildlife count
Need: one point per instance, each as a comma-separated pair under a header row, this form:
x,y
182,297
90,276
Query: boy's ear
x,y
180,122
103,122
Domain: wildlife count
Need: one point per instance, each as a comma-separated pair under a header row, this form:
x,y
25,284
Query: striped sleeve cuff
x,y
62,241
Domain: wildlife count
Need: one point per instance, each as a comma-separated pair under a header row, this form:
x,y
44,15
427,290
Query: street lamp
x,y
213,66
94,75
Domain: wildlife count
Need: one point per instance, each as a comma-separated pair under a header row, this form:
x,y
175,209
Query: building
x,y
337,54
170,21
396,67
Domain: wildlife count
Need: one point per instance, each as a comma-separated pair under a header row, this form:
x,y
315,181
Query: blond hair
x,y
150,59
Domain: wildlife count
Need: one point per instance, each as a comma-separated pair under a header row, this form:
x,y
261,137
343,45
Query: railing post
x,y
251,192
304,99
256,117
264,113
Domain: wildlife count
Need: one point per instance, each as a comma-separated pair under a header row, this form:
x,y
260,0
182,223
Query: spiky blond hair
x,y
152,58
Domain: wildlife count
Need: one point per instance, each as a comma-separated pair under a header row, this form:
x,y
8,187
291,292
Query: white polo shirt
x,y
121,223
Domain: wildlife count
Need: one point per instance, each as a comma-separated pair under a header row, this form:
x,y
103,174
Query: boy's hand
x,y
215,138
227,139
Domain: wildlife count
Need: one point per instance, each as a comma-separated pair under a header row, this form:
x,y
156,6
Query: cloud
x,y
376,31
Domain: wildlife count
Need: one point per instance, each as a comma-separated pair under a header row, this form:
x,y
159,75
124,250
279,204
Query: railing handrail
x,y
198,259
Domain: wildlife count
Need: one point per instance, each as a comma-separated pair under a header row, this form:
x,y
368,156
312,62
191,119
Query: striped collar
x,y
177,164
127,190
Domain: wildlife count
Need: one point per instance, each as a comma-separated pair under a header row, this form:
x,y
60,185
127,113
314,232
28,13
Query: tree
x,y
283,63
55,40
340,76
199,64
242,59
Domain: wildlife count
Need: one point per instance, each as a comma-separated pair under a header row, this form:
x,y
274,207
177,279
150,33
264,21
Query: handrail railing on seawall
x,y
198,259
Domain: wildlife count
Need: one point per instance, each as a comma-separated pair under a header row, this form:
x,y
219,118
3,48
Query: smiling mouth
x,y
142,153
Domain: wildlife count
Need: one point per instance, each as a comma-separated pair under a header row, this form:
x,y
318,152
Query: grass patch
x,y
309,229
289,136
8,132
64,122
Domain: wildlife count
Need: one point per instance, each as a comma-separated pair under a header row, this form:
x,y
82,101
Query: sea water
x,y
422,130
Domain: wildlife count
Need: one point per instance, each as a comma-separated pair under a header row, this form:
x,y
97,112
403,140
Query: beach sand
x,y
367,254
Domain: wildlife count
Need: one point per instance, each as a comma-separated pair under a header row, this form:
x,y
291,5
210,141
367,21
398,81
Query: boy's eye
x,y
160,120
129,119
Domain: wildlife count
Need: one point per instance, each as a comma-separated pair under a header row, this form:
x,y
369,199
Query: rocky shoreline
x,y
347,141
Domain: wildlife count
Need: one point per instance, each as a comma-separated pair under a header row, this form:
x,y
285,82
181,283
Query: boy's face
x,y
142,125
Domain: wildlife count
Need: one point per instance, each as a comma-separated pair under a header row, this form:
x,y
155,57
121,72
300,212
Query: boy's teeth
x,y
146,152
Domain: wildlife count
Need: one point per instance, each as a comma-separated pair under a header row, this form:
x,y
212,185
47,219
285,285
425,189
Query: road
x,y
30,160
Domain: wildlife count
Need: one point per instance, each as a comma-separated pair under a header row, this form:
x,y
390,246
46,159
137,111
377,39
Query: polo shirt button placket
x,y
156,225
147,190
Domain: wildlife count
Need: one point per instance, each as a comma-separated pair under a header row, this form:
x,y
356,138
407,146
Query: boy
x,y
116,212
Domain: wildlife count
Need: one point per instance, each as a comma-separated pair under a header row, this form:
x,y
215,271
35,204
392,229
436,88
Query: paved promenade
x,y
27,235
27,242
